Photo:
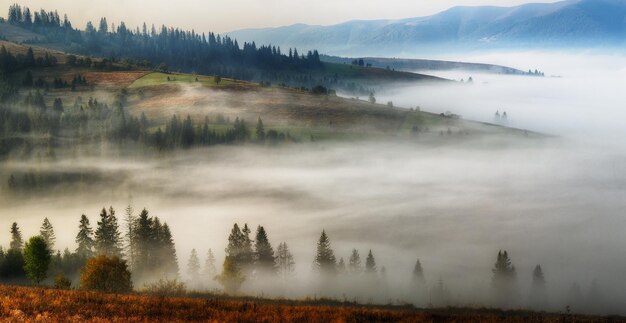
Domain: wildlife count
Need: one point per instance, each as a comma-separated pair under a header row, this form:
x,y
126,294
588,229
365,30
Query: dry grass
x,y
19,304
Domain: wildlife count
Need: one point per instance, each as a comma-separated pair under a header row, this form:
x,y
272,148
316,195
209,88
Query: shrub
x,y
106,274
62,282
165,287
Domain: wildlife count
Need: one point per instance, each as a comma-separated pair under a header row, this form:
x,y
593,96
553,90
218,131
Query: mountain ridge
x,y
570,23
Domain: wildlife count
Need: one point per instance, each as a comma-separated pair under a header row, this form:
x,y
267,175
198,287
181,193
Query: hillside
x,y
570,23
295,113
37,304
406,64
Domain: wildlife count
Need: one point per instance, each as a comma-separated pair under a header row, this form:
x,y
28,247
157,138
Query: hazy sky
x,y
223,16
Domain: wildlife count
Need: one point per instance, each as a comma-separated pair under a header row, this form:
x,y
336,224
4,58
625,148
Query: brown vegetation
x,y
49,305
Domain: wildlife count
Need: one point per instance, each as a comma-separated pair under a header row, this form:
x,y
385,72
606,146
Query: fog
x,y
557,202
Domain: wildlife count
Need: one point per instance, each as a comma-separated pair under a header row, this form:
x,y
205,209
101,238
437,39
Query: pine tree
x,y
370,263
47,233
418,273
325,262
246,259
341,266
129,236
538,298
284,262
265,262
209,265
107,234
354,263
84,238
168,261
504,276
260,131
16,238
193,266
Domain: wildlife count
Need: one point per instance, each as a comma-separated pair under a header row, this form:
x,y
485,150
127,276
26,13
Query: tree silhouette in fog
x,y
284,261
504,280
354,263
538,298
47,233
193,267
108,237
370,264
84,238
325,262
264,260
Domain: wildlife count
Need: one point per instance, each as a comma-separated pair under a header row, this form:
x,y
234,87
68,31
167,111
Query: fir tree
x,y
209,265
16,238
284,262
325,262
354,263
84,238
47,233
341,266
418,273
265,262
107,236
370,264
504,276
193,266
260,131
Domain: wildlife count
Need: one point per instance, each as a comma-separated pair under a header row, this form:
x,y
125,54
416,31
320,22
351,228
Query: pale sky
x,y
222,16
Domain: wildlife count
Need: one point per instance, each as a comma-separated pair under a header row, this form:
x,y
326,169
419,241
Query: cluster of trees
x,y
185,50
253,259
146,249
10,63
182,133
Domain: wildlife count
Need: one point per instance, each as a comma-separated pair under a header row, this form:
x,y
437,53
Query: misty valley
x,y
201,178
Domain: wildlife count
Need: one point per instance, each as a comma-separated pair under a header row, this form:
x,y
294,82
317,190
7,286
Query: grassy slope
x,y
19,304
300,113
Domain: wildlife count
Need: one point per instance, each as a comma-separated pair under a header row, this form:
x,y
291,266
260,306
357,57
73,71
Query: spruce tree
x,y
168,261
260,131
503,280
144,242
325,262
247,253
193,266
108,237
341,266
284,262
265,262
354,263
537,297
47,233
84,238
418,273
16,238
370,263
210,269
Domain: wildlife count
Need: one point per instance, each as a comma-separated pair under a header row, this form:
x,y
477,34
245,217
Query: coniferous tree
x,y
341,266
284,262
168,261
418,273
16,238
537,297
210,269
504,276
129,236
370,263
193,266
247,253
265,262
354,263
325,262
260,131
107,236
144,242
47,233
84,238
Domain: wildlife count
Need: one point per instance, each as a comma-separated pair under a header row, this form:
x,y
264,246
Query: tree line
x,y
170,47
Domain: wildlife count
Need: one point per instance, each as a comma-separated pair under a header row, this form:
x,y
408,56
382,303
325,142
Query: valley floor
x,y
20,304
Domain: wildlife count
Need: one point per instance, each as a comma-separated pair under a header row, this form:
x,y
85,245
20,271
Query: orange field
x,y
19,304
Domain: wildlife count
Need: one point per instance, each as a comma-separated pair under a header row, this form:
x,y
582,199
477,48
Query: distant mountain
x,y
571,23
